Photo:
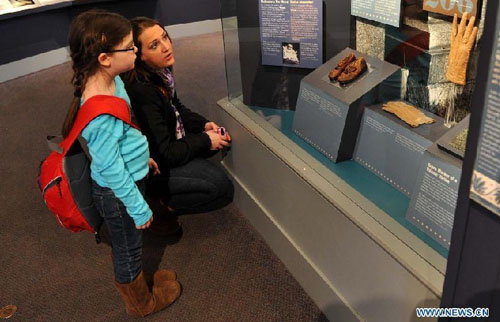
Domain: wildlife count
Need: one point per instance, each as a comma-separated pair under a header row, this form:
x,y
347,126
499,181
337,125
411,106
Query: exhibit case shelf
x,y
338,115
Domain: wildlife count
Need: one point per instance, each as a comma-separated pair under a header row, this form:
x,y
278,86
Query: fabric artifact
x,y
408,113
460,140
462,41
342,64
352,71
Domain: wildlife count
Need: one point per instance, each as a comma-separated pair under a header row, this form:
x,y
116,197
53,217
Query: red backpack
x,y
64,177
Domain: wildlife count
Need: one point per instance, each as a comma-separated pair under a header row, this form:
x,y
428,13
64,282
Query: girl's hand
x,y
147,224
211,126
153,165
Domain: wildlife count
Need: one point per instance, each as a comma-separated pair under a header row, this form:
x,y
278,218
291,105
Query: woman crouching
x,y
179,139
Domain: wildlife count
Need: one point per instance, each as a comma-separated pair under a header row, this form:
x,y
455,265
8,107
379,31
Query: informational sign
x,y
385,11
485,186
434,198
291,32
450,7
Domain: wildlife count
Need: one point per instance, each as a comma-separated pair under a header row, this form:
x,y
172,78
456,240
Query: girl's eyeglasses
x,y
118,50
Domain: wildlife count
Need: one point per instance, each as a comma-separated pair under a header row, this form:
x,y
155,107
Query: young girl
x,y
180,140
102,47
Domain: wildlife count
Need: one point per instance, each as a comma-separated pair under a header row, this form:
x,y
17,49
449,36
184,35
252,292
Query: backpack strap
x,y
92,108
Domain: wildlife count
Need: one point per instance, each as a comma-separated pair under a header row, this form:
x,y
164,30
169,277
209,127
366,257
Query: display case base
x,y
350,265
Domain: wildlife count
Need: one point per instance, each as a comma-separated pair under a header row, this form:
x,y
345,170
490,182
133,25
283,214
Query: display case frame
x,y
409,250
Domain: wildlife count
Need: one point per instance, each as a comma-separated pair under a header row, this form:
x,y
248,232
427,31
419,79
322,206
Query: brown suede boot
x,y
164,275
139,301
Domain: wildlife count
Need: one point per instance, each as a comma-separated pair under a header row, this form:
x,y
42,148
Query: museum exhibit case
x,y
349,121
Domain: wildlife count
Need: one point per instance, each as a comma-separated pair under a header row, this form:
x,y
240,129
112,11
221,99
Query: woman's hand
x,y
211,126
217,141
153,165
227,137
147,224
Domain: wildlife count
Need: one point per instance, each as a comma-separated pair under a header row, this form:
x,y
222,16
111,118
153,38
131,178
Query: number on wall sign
x,y
451,4
450,7
469,6
431,3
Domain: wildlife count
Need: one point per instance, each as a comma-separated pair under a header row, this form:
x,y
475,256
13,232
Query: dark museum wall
x,y
26,34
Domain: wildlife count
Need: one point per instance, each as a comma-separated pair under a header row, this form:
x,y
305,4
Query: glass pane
x,y
419,48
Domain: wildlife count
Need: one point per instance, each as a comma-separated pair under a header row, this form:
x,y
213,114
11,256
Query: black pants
x,y
196,187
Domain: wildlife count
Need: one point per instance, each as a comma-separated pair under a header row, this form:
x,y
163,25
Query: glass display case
x,y
377,127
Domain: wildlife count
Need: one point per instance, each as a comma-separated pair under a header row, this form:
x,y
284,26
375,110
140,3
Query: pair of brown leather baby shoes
x,y
348,69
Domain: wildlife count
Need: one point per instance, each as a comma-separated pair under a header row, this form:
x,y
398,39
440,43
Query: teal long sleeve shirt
x,y
120,157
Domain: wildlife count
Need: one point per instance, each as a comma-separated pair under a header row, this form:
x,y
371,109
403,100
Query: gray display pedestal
x,y
328,115
433,202
392,149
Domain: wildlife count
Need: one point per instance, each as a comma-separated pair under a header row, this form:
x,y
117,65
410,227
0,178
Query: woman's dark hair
x,y
141,72
90,34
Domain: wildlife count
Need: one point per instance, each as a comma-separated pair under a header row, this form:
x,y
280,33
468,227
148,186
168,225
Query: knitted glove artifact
x,y
462,41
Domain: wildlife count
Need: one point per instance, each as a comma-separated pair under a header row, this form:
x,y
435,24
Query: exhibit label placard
x,y
452,7
434,199
485,186
384,11
291,32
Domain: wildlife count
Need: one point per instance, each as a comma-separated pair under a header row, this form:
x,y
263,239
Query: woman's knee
x,y
223,185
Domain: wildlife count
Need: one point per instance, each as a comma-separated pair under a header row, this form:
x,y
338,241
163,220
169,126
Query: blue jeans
x,y
197,187
126,240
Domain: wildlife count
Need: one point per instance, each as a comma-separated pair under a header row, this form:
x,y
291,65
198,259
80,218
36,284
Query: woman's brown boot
x,y
139,301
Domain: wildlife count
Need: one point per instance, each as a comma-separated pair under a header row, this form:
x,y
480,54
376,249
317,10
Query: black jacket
x,y
156,118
